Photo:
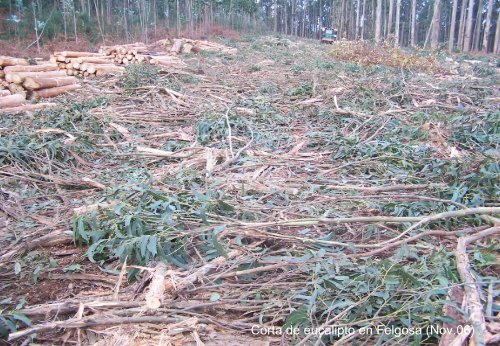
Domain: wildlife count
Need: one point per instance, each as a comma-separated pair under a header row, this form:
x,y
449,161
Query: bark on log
x,y
42,83
52,92
28,108
155,294
12,101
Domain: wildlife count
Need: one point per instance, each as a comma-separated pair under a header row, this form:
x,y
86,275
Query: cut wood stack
x,y
126,54
25,81
185,45
84,64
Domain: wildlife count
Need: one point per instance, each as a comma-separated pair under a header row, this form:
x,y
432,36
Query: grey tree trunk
x,y
413,31
468,27
391,15
453,22
496,46
476,40
461,26
398,18
487,27
436,24
378,20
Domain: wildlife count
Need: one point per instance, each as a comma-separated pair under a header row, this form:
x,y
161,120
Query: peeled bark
x,y
52,92
28,108
12,101
100,70
42,83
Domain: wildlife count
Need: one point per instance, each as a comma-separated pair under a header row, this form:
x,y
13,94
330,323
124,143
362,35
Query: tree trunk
x,y
391,16
398,18
496,46
378,20
356,31
453,22
476,41
468,27
413,32
461,26
487,27
436,14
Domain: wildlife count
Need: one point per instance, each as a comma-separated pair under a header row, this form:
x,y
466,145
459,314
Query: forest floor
x,y
254,197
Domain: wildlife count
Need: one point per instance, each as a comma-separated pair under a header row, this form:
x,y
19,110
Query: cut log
x,y
100,70
31,68
4,93
70,72
28,108
177,46
19,77
8,61
12,101
92,60
52,92
42,83
69,54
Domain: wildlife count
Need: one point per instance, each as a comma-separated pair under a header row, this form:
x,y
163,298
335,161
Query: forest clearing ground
x,y
307,210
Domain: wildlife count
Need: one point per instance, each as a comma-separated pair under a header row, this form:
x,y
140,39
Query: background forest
x,y
465,25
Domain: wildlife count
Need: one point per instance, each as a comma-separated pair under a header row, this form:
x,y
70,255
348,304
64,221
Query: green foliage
x,y
140,75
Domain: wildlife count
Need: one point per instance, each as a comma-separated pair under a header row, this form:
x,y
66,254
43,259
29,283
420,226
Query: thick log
x,y
60,58
69,54
31,68
92,60
28,108
100,70
43,83
177,46
8,61
52,92
19,77
4,93
12,101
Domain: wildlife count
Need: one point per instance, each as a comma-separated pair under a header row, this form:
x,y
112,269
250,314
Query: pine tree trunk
x,y
487,27
391,16
476,41
356,31
378,20
468,27
453,22
398,18
413,32
461,27
496,46
436,24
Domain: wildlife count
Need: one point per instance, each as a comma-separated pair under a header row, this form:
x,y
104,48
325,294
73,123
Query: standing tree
x,y
487,26
435,24
398,18
451,41
468,27
413,31
378,21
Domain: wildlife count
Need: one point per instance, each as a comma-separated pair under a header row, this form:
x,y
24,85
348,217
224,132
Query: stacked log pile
x,y
184,45
20,81
84,64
